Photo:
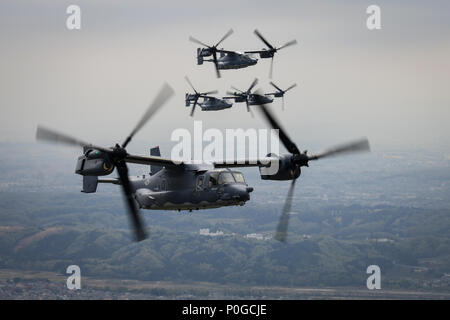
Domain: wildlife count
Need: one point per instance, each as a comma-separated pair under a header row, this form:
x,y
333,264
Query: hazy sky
x,y
391,85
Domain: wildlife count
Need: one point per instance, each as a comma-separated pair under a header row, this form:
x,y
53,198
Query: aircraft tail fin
x,y
156,153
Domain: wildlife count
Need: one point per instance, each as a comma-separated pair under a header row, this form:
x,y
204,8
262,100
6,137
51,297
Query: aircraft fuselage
x,y
190,190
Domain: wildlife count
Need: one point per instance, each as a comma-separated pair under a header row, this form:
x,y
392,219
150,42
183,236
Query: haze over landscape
x,y
389,207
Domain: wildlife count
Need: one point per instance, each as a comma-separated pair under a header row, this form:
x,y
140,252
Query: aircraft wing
x,y
226,51
150,160
112,181
240,163
256,51
234,163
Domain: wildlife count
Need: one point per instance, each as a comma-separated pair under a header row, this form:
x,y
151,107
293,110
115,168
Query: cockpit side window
x,y
213,176
200,183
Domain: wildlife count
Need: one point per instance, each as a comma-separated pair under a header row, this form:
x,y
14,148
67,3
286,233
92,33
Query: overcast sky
x,y
391,85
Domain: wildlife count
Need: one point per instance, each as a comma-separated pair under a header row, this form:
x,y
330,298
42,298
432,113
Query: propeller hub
x,y
301,159
119,153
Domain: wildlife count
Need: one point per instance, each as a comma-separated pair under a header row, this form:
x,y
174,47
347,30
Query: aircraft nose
x,y
241,192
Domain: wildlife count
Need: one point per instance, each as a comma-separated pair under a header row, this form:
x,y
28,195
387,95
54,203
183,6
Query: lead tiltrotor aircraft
x,y
235,59
173,185
227,59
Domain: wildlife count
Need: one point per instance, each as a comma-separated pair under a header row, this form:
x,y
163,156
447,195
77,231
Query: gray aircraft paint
x,y
179,189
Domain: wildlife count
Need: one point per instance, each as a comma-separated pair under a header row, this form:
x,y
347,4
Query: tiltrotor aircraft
x,y
248,97
256,98
173,185
235,59
252,98
208,104
227,60
280,93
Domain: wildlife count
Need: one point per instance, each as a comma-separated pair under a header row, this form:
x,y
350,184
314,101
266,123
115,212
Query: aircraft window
x,y
239,177
200,183
213,178
226,177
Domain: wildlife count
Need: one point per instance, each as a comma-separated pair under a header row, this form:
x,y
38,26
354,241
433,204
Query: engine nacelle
x,y
204,52
266,54
201,53
239,99
188,98
286,169
278,94
94,163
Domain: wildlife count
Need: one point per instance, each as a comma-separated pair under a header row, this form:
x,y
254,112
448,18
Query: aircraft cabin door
x,y
163,185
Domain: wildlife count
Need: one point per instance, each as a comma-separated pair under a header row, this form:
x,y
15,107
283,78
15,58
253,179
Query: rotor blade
x,y
290,43
193,106
281,233
288,144
198,42
271,68
189,81
164,94
252,85
230,32
248,108
140,233
209,92
282,102
234,88
275,86
216,64
357,146
259,35
293,86
49,135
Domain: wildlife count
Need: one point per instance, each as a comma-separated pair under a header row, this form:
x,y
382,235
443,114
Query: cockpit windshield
x,y
226,177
